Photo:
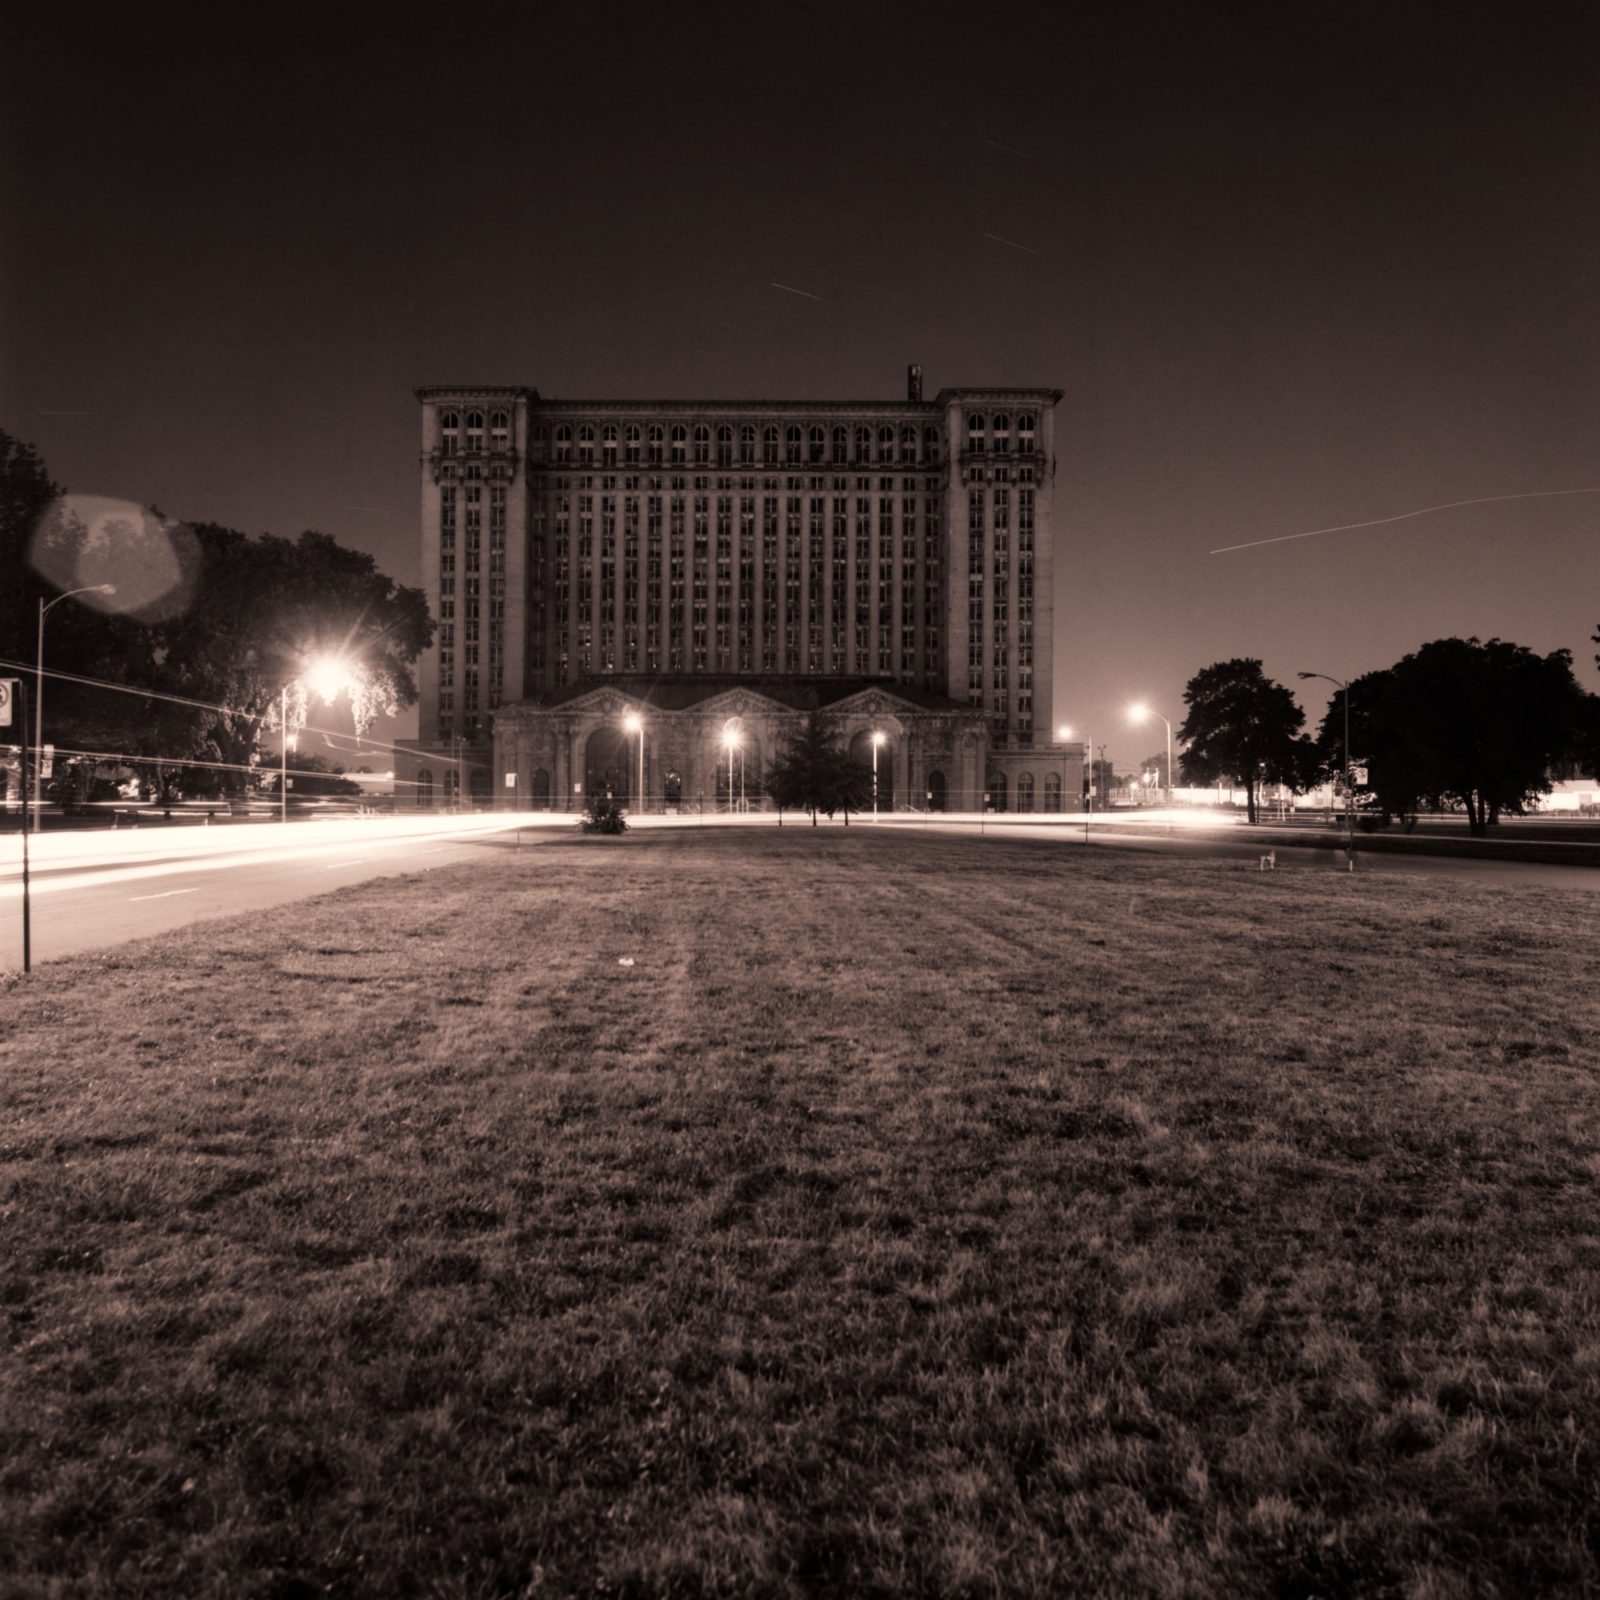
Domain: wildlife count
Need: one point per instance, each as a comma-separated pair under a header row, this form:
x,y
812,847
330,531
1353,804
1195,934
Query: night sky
x,y
1294,267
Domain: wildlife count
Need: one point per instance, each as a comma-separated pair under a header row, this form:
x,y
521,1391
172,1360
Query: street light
x,y
1065,733
730,743
1142,713
634,723
38,697
325,676
1349,791
877,742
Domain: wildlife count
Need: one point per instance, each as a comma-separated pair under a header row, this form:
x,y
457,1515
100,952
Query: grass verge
x,y
914,1216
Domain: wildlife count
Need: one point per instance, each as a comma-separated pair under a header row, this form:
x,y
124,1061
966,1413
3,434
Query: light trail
x,y
1404,516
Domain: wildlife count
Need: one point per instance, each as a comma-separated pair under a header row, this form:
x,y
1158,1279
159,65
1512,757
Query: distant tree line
x,y
1460,722
209,627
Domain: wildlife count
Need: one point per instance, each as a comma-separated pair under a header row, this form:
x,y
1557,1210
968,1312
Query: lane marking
x,y
338,864
165,894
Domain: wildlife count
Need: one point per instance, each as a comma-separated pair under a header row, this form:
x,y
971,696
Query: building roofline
x,y
446,391
439,391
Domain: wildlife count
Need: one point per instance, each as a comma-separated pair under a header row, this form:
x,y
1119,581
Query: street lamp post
x,y
1142,713
38,700
877,741
1349,791
634,723
730,742
1088,749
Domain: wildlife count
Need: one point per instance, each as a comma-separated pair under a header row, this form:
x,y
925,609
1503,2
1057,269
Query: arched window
x,y
499,431
841,443
474,431
936,791
792,442
769,444
449,433
539,448
724,445
680,444
908,446
1052,791
1025,792
540,797
1025,433
995,783
863,445
586,442
977,428
1001,428
885,444
424,789
630,442
815,441
563,441
930,444
747,443
608,443
702,444
658,440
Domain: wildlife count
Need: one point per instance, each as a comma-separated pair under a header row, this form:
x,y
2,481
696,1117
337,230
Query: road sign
x,y
8,698
1358,775
511,780
47,761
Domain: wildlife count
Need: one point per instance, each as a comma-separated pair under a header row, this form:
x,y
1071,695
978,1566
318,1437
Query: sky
x,y
1293,266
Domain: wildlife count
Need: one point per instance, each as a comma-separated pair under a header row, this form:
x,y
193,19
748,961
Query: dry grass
x,y
914,1217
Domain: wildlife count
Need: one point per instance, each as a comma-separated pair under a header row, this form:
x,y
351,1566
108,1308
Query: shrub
x,y
602,814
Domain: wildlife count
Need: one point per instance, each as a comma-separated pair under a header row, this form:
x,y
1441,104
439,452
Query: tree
x,y
1242,728
262,609
813,773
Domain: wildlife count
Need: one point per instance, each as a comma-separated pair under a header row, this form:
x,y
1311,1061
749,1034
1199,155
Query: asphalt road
x,y
96,901
93,904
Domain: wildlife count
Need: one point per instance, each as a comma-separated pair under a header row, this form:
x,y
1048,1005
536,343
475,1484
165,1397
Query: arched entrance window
x,y
1052,791
606,767
996,785
861,754
424,789
541,790
937,799
1025,792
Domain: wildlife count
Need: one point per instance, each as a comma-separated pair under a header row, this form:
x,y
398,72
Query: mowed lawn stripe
x,y
913,1216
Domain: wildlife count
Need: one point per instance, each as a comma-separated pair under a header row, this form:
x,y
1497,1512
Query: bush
x,y
603,815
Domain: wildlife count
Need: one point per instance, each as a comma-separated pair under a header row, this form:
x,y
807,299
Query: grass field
x,y
913,1216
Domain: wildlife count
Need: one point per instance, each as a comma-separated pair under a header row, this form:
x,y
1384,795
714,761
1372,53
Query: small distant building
x,y
719,569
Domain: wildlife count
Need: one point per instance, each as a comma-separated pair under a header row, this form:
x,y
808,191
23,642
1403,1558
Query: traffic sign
x,y
8,698
1358,775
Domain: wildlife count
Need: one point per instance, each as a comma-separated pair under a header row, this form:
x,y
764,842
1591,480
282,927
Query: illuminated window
x,y
608,443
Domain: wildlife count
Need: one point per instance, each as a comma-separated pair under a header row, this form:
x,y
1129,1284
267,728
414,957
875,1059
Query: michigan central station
x,y
646,598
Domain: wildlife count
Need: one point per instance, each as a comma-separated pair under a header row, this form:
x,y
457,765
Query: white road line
x,y
338,864
165,893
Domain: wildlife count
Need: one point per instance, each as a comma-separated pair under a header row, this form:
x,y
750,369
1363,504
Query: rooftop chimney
x,y
914,385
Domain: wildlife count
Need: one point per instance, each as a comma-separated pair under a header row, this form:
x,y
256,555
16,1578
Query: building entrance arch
x,y
938,799
606,768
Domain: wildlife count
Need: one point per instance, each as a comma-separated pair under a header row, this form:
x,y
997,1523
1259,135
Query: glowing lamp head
x,y
730,740
633,722
327,677
1139,713
1064,732
878,739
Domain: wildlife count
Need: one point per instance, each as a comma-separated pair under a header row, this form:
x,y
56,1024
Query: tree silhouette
x,y
1244,729
812,772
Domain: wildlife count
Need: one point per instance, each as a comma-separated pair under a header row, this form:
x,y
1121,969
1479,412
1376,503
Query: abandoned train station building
x,y
658,592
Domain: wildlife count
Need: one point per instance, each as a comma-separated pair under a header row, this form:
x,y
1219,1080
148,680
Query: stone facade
x,y
695,562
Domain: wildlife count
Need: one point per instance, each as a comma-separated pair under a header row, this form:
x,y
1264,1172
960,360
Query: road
x,y
92,891
88,893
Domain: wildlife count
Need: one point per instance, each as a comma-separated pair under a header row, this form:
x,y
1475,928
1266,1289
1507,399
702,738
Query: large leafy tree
x,y
812,772
1243,729
264,610
1461,721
